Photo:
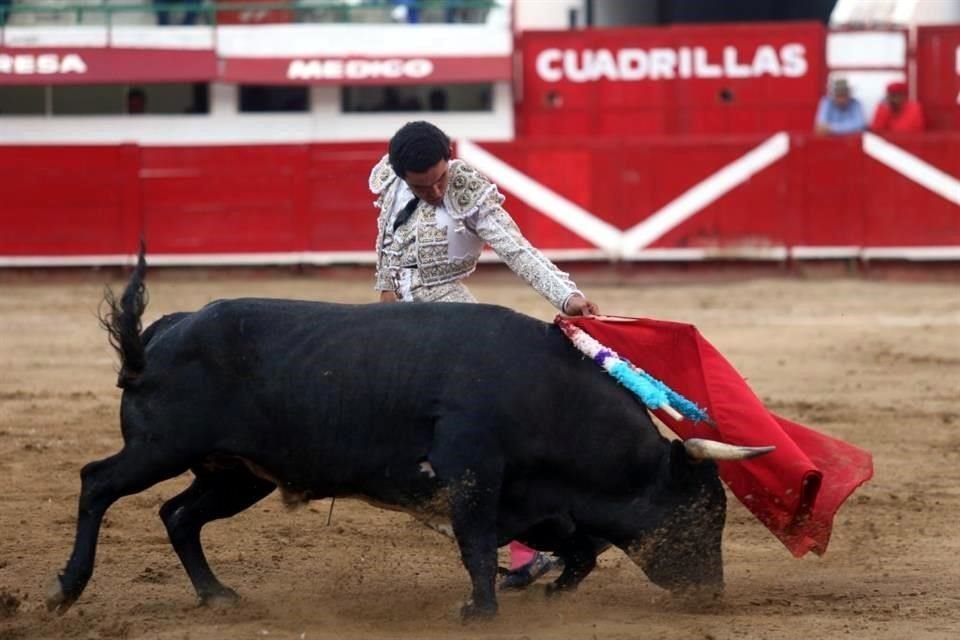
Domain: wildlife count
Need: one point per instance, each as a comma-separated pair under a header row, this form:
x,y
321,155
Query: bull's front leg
x,y
471,468
477,538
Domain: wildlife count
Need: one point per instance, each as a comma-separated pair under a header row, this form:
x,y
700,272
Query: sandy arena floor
x,y
876,363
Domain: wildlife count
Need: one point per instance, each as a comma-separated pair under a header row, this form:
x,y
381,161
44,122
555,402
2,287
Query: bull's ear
x,y
680,462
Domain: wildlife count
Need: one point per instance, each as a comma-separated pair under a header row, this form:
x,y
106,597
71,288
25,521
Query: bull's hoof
x,y
57,600
222,598
471,612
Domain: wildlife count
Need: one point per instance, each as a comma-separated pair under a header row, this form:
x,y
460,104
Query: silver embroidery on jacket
x,y
475,206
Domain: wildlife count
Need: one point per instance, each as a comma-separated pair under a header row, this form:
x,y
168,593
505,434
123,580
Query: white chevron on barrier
x,y
705,193
912,167
543,199
924,174
616,243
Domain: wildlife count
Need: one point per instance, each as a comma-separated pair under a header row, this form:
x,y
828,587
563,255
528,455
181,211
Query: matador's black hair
x,y
417,146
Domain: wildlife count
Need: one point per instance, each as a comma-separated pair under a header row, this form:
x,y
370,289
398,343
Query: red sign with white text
x,y
366,70
90,65
700,79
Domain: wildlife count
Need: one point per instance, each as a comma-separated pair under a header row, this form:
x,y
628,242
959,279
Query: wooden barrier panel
x,y
338,205
828,186
899,212
938,76
223,199
61,201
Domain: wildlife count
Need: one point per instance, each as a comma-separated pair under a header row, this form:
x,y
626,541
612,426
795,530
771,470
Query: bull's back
x,y
339,364
420,342
359,386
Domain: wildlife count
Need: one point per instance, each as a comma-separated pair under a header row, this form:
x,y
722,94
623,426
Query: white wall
x,y
937,12
869,60
895,12
546,14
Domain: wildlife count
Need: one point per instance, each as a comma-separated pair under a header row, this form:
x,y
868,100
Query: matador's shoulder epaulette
x,y
468,190
382,175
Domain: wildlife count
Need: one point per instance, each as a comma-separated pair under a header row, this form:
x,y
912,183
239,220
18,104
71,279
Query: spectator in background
x,y
163,12
412,103
453,11
840,113
200,98
391,100
406,11
136,101
4,8
438,100
898,113
191,12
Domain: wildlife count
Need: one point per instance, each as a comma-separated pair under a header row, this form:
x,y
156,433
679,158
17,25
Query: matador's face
x,y
429,185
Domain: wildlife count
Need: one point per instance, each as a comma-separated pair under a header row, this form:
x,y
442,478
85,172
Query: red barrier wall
x,y
223,199
624,182
337,201
284,199
828,190
938,75
898,211
69,200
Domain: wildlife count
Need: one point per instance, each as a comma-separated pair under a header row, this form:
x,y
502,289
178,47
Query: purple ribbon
x,y
602,356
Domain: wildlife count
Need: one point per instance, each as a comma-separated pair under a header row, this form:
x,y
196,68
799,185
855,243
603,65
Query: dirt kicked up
x,y
875,363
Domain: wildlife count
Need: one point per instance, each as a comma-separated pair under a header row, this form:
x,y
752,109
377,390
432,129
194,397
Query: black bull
x,y
472,414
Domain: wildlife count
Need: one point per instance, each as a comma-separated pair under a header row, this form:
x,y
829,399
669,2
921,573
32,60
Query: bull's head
x,y
682,553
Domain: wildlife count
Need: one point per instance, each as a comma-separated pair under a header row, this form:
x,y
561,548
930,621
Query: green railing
x,y
205,12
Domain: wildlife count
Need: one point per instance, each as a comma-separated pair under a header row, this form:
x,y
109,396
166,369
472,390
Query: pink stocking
x,y
520,555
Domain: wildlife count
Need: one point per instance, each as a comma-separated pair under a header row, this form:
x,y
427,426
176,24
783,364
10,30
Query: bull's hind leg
x,y
130,471
212,496
468,461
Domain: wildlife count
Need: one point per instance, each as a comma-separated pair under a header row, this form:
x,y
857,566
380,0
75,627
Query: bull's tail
x,y
122,320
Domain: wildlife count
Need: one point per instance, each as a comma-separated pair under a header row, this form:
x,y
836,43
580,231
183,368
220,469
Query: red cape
x,y
796,490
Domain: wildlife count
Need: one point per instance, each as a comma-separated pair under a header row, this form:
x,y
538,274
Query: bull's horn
x,y
701,449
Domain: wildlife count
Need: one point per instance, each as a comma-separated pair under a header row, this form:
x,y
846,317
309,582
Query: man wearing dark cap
x,y
898,113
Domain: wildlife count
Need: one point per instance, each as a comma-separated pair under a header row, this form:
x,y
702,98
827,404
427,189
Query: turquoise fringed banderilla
x,y
642,386
652,392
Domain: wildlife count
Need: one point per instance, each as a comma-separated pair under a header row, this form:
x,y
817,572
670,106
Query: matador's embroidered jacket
x,y
449,237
